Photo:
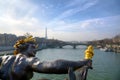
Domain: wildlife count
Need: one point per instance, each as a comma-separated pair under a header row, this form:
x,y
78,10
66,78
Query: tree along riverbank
x,y
8,50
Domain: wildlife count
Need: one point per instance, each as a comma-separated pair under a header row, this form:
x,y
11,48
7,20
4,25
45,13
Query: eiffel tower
x,y
46,33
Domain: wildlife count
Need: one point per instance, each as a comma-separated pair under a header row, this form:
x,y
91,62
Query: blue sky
x,y
68,20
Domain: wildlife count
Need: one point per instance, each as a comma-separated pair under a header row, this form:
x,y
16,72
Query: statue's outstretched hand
x,y
89,64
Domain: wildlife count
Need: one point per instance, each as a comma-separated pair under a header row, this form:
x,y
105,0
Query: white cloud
x,y
85,24
16,8
91,23
77,6
91,29
16,16
63,25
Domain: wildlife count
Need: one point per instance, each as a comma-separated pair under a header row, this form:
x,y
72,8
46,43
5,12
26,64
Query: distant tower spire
x,y
46,33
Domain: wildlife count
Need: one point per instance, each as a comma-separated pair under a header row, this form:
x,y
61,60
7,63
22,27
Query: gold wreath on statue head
x,y
22,43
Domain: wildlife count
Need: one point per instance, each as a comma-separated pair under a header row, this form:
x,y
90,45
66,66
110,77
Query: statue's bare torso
x,y
15,68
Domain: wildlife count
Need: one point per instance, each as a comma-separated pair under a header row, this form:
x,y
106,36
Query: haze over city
x,y
68,20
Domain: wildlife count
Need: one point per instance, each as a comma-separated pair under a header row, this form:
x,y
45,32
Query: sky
x,y
67,20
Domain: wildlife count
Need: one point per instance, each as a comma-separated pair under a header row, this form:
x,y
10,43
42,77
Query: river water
x,y
106,65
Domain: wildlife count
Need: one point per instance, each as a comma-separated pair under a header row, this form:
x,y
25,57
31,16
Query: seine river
x,y
106,65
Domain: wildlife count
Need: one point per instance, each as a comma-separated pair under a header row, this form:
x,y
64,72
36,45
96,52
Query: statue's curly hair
x,y
22,44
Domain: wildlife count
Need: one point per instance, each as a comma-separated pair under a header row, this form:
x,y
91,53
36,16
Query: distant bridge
x,y
73,44
60,44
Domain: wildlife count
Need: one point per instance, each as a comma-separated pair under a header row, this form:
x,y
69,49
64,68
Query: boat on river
x,y
106,49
